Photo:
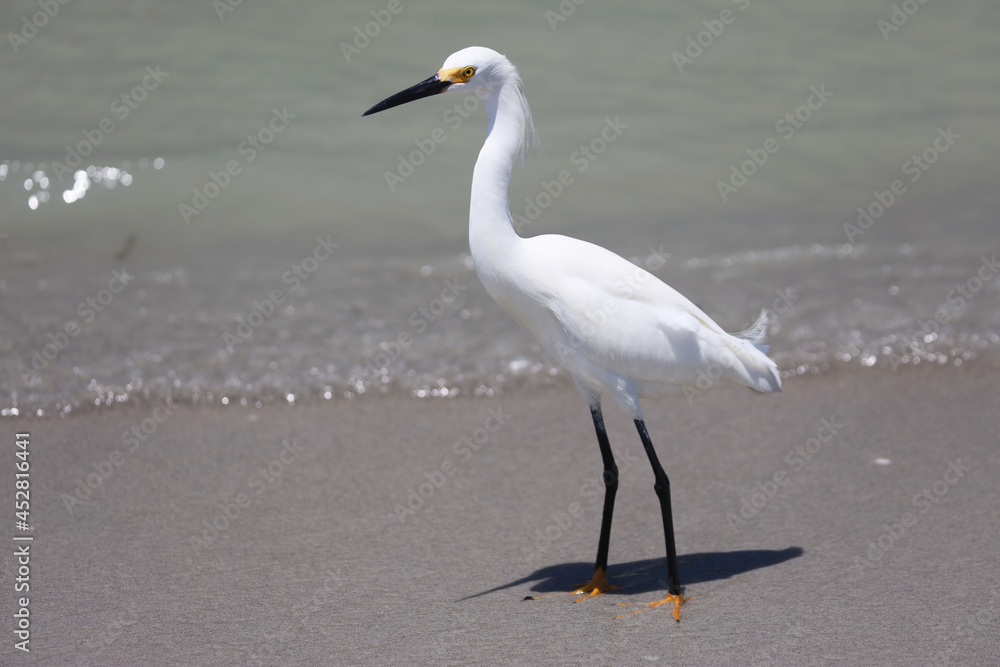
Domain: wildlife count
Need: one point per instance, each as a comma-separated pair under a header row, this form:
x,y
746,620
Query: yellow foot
x,y
676,600
597,585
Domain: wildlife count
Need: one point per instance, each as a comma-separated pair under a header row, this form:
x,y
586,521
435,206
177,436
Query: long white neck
x,y
491,235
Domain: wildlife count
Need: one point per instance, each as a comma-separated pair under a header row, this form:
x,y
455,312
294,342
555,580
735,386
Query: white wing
x,y
626,321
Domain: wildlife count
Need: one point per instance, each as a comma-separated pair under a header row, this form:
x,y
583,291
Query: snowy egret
x,y
614,326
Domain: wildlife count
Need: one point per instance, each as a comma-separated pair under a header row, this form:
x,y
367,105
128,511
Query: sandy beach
x,y
852,518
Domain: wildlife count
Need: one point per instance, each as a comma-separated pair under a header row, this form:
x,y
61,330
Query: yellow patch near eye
x,y
456,74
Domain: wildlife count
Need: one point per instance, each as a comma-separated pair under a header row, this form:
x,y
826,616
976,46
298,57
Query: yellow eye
x,y
468,72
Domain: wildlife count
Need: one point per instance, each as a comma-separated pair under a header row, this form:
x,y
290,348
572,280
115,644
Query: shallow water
x,y
820,110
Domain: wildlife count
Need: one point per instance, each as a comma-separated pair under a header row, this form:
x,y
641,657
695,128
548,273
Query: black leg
x,y
610,487
662,487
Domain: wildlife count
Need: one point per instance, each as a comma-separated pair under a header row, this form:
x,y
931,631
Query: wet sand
x,y
854,517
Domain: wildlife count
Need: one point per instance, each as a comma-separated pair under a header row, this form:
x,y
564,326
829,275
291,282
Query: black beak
x,y
425,88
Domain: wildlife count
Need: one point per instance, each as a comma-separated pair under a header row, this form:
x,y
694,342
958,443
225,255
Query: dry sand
x,y
841,559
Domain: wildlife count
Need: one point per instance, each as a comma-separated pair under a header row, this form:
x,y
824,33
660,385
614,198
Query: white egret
x,y
615,327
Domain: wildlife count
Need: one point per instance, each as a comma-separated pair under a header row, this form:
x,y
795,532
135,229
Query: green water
x,y
749,134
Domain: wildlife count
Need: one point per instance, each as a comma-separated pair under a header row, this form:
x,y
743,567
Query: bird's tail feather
x,y
761,371
756,333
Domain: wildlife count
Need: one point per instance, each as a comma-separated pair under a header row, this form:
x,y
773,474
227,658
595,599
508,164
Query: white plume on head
x,y
493,70
529,137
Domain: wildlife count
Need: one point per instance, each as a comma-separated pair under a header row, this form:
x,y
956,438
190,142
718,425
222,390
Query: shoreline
x,y
517,386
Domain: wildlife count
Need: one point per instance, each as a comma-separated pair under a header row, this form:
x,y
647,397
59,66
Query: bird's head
x,y
488,74
473,69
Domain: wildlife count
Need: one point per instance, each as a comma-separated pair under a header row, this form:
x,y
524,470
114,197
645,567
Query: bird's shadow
x,y
644,576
